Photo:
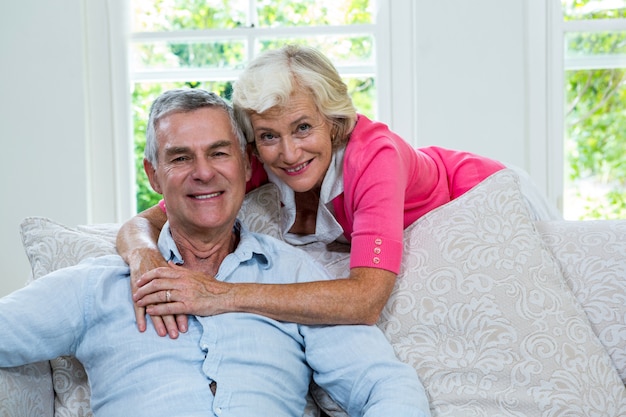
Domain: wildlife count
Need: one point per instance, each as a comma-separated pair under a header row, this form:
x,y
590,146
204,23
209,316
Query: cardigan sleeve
x,y
375,179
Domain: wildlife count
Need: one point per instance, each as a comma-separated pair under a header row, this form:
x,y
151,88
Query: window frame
x,y
109,136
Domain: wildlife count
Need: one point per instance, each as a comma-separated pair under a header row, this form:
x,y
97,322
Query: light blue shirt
x,y
261,366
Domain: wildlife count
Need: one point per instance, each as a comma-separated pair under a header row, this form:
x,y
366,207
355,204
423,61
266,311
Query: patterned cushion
x,y
481,310
26,391
592,256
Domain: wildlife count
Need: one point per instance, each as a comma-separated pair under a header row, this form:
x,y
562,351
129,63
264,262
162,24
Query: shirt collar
x,y
247,248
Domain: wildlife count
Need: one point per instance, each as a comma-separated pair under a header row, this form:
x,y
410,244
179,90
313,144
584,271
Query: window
x,y
206,44
594,34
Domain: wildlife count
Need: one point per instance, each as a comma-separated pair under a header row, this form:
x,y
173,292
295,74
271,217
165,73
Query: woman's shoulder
x,y
369,133
370,139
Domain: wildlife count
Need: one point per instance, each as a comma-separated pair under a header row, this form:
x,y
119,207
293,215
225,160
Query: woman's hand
x,y
175,290
163,324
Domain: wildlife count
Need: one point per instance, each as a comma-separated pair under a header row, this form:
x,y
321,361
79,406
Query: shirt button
x,y
376,260
218,410
378,241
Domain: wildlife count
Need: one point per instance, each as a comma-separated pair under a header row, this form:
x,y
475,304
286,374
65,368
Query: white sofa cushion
x,y
481,310
592,256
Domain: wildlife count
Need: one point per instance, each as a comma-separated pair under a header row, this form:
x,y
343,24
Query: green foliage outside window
x,y
595,116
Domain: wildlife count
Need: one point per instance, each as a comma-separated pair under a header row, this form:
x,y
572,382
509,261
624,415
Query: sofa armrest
x,y
27,391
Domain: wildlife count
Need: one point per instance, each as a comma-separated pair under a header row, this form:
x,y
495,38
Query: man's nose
x,y
203,170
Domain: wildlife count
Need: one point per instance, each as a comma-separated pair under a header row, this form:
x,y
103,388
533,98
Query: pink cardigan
x,y
388,185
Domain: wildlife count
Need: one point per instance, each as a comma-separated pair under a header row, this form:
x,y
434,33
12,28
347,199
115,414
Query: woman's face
x,y
294,142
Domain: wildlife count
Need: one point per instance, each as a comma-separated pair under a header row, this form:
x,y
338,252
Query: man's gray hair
x,y
183,101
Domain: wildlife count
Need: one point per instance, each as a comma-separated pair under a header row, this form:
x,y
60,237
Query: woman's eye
x,y
303,128
266,136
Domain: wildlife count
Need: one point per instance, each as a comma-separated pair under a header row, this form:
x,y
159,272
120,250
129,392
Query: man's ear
x,y
152,177
251,150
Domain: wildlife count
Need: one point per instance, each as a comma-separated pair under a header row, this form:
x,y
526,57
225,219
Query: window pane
x,y
171,55
593,9
170,15
341,50
595,144
273,13
596,45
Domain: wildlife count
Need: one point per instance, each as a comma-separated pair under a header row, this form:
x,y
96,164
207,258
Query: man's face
x,y
201,171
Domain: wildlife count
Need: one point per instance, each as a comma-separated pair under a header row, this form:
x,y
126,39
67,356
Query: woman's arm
x,y
358,299
137,245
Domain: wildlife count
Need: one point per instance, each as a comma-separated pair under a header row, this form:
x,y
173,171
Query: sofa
x,y
500,314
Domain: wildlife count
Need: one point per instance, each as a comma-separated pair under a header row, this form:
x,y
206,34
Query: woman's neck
x,y
306,212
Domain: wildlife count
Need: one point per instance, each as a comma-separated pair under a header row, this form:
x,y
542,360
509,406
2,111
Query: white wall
x,y
462,78
471,76
43,167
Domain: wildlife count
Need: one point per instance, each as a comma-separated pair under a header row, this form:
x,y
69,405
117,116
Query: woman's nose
x,y
291,150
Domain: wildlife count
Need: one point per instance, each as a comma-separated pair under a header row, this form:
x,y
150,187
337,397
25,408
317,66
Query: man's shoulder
x,y
107,265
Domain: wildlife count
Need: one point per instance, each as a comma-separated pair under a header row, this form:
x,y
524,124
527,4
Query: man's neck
x,y
206,255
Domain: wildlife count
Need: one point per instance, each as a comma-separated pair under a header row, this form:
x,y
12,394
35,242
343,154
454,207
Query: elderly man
x,y
234,364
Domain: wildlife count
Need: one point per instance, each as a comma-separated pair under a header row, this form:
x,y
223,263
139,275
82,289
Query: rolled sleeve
x,y
373,251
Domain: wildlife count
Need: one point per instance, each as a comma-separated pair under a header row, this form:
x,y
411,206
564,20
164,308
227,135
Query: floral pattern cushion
x,y
592,256
26,391
482,311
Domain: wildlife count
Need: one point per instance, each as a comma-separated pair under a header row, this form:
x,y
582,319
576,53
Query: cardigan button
x,y
377,250
376,260
378,241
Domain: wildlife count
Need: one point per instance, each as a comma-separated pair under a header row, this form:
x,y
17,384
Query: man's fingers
x,y
171,325
140,317
159,326
182,321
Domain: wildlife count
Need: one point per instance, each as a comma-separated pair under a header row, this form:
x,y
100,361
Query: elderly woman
x,y
341,177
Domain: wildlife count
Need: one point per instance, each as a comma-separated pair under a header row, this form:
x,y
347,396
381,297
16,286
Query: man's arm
x,y
357,367
43,320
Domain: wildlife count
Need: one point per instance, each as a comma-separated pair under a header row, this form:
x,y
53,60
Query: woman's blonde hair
x,y
271,78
